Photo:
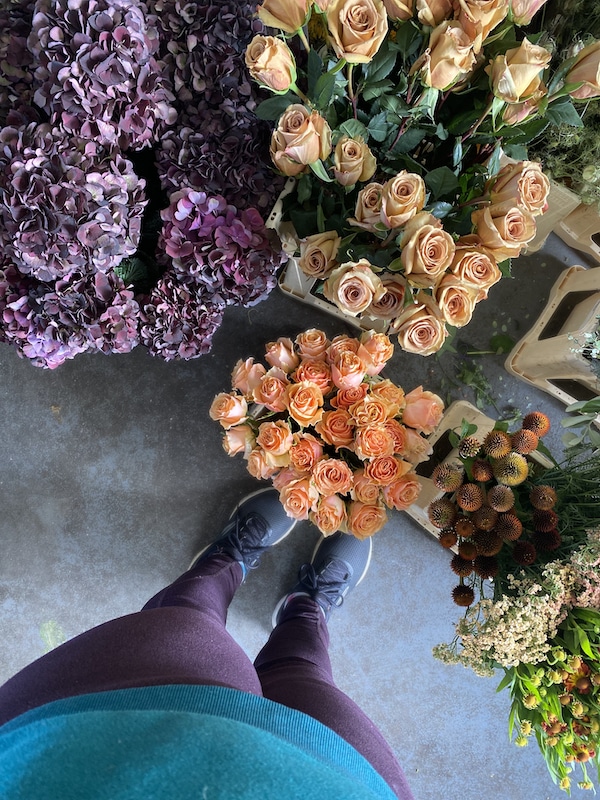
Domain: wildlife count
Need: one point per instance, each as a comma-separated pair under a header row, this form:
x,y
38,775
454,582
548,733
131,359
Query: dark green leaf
x,y
502,343
304,188
324,90
314,70
354,129
408,39
378,127
523,134
274,107
396,265
441,181
563,112
393,104
516,151
461,123
376,89
409,140
381,65
505,267
320,219
440,209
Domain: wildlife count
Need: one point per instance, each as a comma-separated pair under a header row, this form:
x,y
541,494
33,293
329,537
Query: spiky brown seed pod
x,y
496,444
464,527
461,566
509,526
546,541
511,470
485,518
544,520
488,543
463,595
467,550
482,470
543,497
501,498
442,512
524,553
448,477
448,538
486,566
537,422
524,441
469,497
469,447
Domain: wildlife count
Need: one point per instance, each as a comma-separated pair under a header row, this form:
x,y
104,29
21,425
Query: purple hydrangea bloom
x,y
177,322
13,287
97,70
16,65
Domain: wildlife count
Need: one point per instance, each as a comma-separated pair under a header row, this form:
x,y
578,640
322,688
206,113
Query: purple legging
x,y
180,637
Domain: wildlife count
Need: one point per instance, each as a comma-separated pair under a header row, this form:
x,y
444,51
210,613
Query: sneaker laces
x,y
326,586
246,537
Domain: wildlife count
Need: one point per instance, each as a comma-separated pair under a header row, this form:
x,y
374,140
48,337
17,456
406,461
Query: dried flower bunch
x,y
391,115
338,442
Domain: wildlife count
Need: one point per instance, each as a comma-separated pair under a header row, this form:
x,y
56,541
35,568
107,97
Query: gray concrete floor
x,y
112,475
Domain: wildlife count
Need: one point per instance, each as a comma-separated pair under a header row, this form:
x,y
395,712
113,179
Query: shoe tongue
x,y
336,571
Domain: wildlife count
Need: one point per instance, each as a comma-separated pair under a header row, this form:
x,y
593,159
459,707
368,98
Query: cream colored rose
x,y
434,12
299,498
274,437
391,303
304,401
523,182
421,328
365,520
318,254
523,11
228,409
401,198
353,161
305,451
505,234
455,300
332,476
287,15
336,428
481,16
449,57
271,63
301,138
312,343
399,9
587,69
271,389
281,354
353,286
330,514
402,493
356,28
427,250
515,75
368,207
375,350
474,266
239,439
423,410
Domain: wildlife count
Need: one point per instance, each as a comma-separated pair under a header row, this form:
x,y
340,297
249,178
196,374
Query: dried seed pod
x,y
448,477
509,526
463,595
448,538
442,512
524,441
496,444
546,541
544,520
501,498
511,470
488,543
461,566
524,553
485,518
467,550
482,470
464,527
469,497
537,422
485,566
543,497
469,447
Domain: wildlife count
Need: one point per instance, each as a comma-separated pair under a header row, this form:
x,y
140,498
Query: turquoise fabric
x,y
178,742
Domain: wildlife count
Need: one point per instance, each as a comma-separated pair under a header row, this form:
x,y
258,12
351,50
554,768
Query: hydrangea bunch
x,y
338,441
16,62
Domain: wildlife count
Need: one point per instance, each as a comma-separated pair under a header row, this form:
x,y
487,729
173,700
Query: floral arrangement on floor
x,y
338,441
392,116
134,176
533,529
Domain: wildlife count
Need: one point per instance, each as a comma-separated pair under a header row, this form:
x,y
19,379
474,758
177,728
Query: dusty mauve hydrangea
x,y
176,321
64,210
97,70
13,286
16,64
230,254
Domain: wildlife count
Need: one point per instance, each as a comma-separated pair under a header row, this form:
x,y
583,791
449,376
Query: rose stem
x,y
304,40
474,127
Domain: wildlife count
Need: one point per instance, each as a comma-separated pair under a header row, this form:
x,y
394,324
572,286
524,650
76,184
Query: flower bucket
x,y
561,203
581,230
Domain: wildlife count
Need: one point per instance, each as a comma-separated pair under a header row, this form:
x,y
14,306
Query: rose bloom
x,y
401,198
317,372
271,390
342,344
281,354
456,301
313,344
449,57
353,286
246,376
421,328
416,447
365,520
353,161
391,302
287,15
304,401
318,254
587,69
375,350
271,63
286,476
347,397
299,498
474,266
370,411
348,370
258,465
402,493
337,428
399,9
398,433
515,75
481,16
516,113
329,515
423,410
239,439
427,250
433,12
524,182
367,212
228,409
274,437
386,469
301,138
364,490
332,476
523,11
506,234
305,451
393,395
373,441
356,28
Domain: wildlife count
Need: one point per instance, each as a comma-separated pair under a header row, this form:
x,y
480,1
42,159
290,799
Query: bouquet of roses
x,y
337,440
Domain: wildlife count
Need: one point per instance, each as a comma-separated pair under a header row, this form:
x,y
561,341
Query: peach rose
x,y
481,16
449,57
372,441
318,254
370,411
515,75
375,350
286,476
337,428
281,354
402,493
365,520
332,476
347,397
305,452
239,439
433,12
313,344
416,447
367,212
386,469
353,161
228,409
587,70
342,344
258,466
523,11
506,234
393,395
456,301
246,376
299,498
274,437
474,266
364,490
317,372
523,182
287,15
348,370
271,63
301,138
391,302
304,401
516,113
421,328
427,250
398,433
356,28
401,198
423,410
271,389
399,9
329,515
353,286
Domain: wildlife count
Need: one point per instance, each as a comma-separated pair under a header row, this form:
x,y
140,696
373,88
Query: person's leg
x,y
294,667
